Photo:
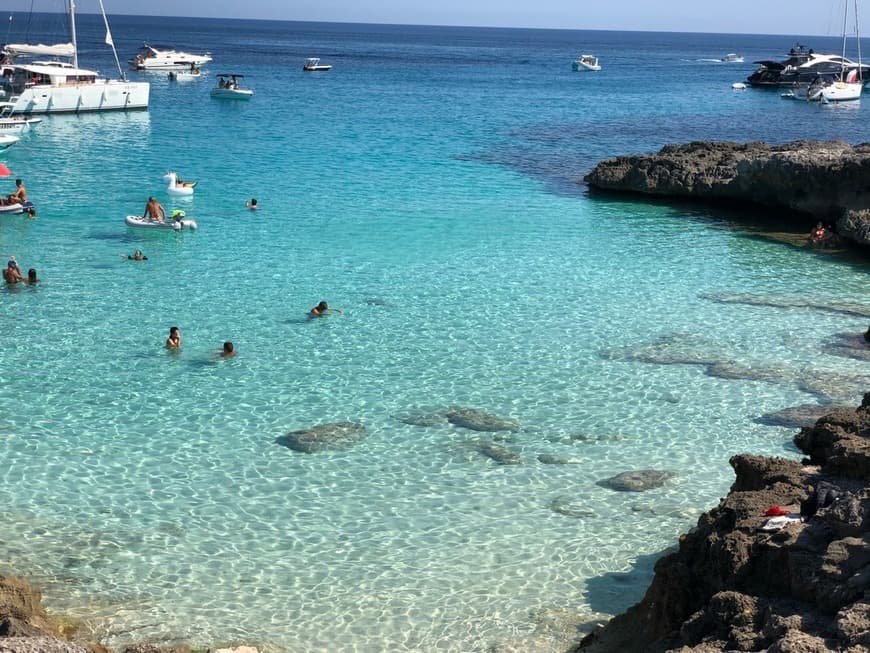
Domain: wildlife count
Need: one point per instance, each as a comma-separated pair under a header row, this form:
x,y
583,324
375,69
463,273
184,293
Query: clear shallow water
x,y
427,186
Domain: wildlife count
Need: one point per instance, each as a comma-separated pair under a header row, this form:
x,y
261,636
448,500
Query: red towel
x,y
775,511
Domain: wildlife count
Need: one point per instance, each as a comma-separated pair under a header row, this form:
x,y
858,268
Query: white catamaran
x,y
61,86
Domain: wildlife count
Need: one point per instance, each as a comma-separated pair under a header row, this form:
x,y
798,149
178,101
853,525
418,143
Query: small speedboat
x,y
19,207
177,186
732,58
14,125
586,62
178,222
8,140
312,64
228,88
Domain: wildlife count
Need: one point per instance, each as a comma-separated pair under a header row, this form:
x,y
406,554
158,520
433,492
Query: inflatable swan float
x,y
176,186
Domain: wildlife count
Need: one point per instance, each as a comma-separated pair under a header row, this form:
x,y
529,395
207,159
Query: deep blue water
x,y
429,186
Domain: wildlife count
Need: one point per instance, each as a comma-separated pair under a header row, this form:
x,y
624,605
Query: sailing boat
x,y
57,86
848,84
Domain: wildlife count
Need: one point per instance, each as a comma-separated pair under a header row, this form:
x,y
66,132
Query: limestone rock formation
x,y
828,180
739,582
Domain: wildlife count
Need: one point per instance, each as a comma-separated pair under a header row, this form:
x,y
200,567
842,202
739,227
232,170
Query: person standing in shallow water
x,y
174,339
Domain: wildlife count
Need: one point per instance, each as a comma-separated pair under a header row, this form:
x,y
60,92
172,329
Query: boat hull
x,y
168,225
106,95
21,207
232,94
836,92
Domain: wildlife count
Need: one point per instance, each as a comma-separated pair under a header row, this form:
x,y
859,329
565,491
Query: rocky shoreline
x,y
782,564
826,181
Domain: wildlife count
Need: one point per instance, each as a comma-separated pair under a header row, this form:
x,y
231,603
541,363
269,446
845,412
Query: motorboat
x,y
18,207
586,62
184,75
178,222
14,125
312,64
731,57
177,186
228,88
801,68
58,85
8,140
152,57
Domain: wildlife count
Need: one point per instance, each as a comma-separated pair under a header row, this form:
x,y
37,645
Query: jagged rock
x,y
732,586
853,624
478,420
501,455
823,179
324,437
21,611
637,481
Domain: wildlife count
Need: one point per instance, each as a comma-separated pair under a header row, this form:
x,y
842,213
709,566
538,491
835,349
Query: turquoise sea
x,y
429,186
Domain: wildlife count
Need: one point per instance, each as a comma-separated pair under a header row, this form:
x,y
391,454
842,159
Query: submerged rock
x,y
501,455
550,459
795,417
478,420
323,437
637,481
423,418
570,507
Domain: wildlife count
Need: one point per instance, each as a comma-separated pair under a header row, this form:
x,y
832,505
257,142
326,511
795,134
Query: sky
x,y
787,17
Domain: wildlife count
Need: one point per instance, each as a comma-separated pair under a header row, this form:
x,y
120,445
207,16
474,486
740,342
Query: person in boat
x,y
174,339
20,194
322,309
31,276
252,204
137,256
222,83
154,210
193,69
234,83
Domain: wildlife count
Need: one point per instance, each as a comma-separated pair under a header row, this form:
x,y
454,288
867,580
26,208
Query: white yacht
x,y
153,57
586,62
56,86
731,57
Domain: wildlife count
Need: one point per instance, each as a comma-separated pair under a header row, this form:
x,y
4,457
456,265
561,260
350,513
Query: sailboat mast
x,y
858,39
72,31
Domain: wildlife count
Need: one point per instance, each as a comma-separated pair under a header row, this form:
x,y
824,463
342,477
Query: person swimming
x,y
322,309
136,256
252,204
